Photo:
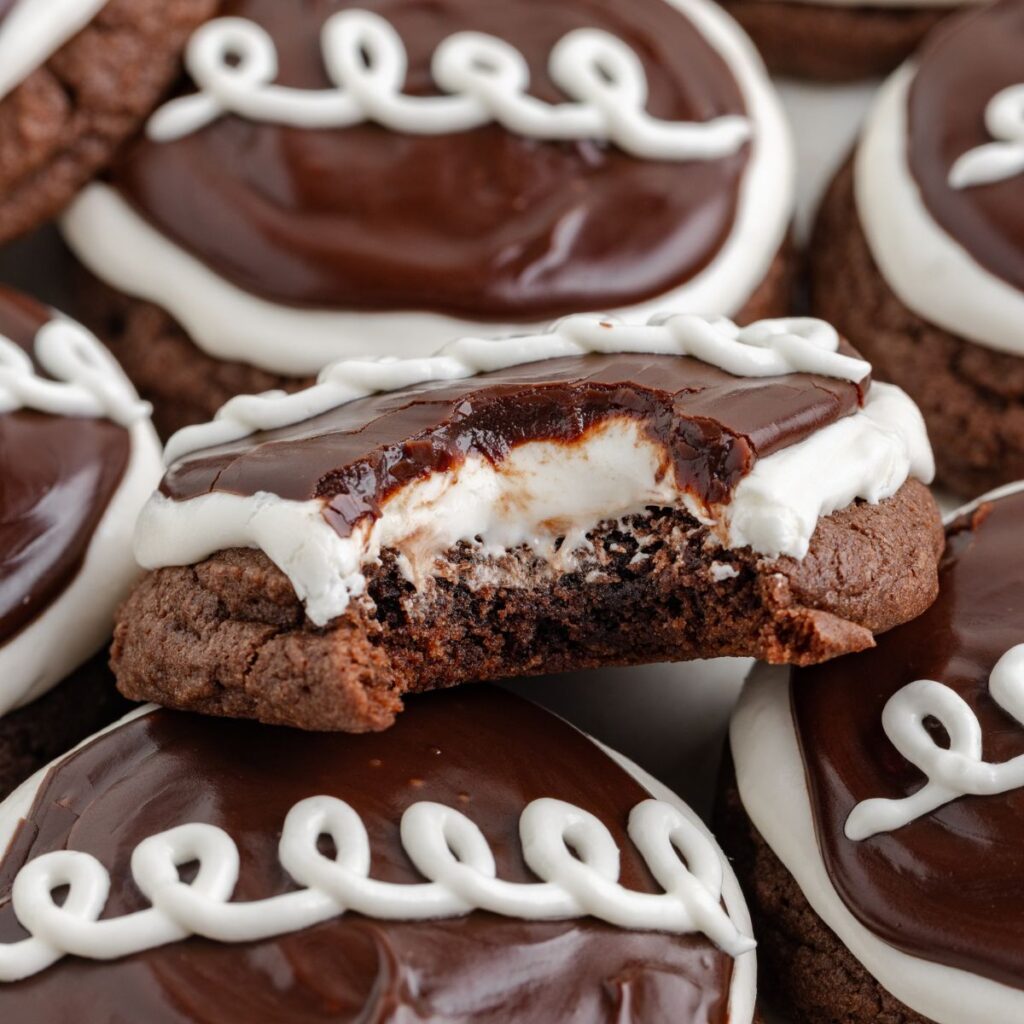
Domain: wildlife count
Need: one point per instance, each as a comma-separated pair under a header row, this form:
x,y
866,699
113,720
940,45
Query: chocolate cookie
x,y
835,41
606,494
77,78
78,457
482,861
895,764
919,246
377,178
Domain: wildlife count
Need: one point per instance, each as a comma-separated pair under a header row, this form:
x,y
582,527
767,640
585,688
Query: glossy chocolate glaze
x,y
482,751
712,426
964,65
948,887
57,476
483,224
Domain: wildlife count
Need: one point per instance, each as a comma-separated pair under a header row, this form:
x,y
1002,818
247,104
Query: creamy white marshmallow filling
x,y
548,495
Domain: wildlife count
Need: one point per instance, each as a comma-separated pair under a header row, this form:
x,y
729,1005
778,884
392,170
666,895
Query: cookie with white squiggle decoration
x,y
373,177
481,861
600,493
880,798
919,247
78,78
78,458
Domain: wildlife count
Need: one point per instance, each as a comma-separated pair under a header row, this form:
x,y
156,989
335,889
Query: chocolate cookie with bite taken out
x,y
603,493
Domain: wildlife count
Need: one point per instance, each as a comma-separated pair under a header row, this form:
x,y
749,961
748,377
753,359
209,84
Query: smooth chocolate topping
x,y
949,887
712,425
963,66
486,223
57,475
481,751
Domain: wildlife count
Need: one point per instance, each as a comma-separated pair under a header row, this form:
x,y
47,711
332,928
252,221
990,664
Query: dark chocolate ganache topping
x,y
711,425
948,887
965,64
485,223
484,752
57,476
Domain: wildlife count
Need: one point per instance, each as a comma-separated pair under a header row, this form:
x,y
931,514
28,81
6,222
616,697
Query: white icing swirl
x,y
34,30
87,379
768,348
234,63
1002,159
568,849
953,772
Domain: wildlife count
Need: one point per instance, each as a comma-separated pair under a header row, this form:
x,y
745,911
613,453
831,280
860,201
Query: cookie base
x,y
34,735
229,636
803,967
188,386
831,43
972,397
64,123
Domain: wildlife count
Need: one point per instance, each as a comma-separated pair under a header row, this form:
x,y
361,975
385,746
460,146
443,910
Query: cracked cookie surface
x,y
64,122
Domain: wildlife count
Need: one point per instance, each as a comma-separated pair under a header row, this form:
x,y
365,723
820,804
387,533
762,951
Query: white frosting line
x,y
78,622
122,249
34,30
234,63
542,491
773,788
87,380
932,274
952,772
664,829
768,348
446,847
1002,159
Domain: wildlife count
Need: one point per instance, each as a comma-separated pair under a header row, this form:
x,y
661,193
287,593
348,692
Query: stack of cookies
x,y
427,343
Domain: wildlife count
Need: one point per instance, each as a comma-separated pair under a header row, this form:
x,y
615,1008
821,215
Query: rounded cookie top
x,y
940,178
76,455
905,763
455,794
889,797
467,163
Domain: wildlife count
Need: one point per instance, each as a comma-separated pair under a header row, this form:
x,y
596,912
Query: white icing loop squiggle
x,y
768,348
87,379
234,63
952,773
570,850
999,160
